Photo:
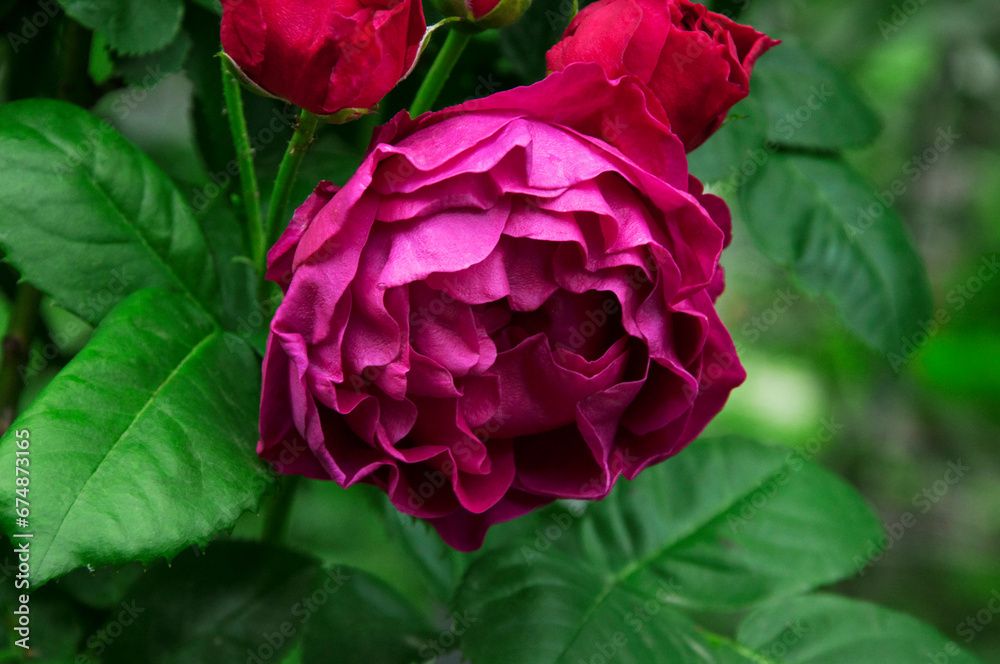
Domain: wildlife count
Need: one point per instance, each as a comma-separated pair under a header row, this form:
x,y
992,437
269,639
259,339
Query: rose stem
x,y
248,175
276,519
440,70
305,130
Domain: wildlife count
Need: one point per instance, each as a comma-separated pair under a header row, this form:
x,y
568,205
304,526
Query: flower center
x,y
586,324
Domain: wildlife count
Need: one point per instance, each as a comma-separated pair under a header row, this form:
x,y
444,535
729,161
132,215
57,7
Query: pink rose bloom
x,y
695,62
510,302
323,56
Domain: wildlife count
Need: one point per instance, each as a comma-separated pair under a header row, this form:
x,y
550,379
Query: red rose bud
x,y
485,14
327,57
695,62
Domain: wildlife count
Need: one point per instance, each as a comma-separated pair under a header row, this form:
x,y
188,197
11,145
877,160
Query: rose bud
x,y
327,57
484,14
695,62
510,302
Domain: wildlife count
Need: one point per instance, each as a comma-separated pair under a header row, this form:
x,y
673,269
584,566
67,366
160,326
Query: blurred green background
x,y
926,66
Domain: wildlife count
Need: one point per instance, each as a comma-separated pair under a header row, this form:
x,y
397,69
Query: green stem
x,y
440,70
303,136
248,175
16,346
276,520
74,83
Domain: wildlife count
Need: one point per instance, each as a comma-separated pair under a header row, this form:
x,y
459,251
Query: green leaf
x,y
144,443
324,512
88,218
241,312
809,103
130,26
235,601
825,629
819,218
734,149
731,522
724,525
147,70
365,621
101,67
102,588
441,565
558,610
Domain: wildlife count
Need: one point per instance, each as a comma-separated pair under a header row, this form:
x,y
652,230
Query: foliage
x,y
141,389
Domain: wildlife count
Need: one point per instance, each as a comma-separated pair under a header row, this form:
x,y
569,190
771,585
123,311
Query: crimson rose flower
x,y
326,57
696,62
500,308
